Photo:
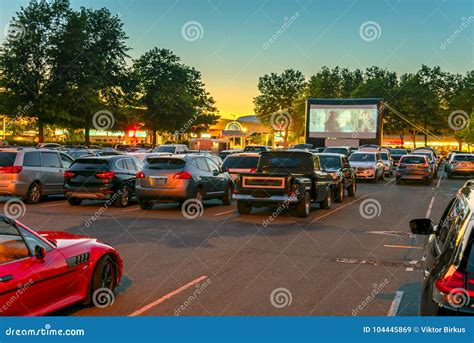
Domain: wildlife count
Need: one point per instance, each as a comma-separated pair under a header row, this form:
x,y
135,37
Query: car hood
x,y
63,239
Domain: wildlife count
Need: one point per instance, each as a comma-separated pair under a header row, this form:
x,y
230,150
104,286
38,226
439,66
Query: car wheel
x,y
74,201
35,192
243,207
304,206
199,195
105,275
382,175
123,197
339,193
375,179
326,203
145,204
227,198
351,191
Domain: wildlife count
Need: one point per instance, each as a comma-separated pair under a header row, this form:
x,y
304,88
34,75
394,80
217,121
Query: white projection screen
x,y
343,121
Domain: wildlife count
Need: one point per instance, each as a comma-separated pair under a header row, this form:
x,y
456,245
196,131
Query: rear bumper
x,y
164,194
89,193
14,188
270,199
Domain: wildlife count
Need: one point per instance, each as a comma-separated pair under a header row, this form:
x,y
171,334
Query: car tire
x,y
339,193
429,181
105,275
145,204
382,176
123,197
74,201
375,179
244,207
227,198
351,191
303,209
326,203
35,192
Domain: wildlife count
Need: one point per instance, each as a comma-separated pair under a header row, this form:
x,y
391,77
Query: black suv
x,y
448,285
110,178
344,176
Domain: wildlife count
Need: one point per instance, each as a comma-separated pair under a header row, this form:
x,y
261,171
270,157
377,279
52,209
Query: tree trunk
x,y
40,131
87,137
402,140
153,140
460,144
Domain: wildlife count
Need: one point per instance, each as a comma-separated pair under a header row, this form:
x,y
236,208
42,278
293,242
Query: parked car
x,y
368,165
284,178
449,158
109,178
182,177
387,163
54,269
317,150
217,160
461,164
76,153
53,146
32,173
414,167
257,148
448,261
245,162
431,159
224,153
171,148
397,153
303,146
339,150
344,176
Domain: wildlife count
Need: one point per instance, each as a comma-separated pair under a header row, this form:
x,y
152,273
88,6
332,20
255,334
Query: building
x,y
241,131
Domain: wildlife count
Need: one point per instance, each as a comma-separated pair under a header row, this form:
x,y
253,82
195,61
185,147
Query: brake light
x,y
140,175
11,169
69,174
451,280
105,175
182,176
253,170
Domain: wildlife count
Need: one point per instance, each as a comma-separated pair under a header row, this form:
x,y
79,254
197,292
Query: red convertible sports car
x,y
44,272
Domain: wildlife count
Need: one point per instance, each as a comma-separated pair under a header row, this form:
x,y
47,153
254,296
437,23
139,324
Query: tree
x,y
278,92
173,95
26,59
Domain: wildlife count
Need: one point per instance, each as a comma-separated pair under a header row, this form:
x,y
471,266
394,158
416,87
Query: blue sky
x,y
230,49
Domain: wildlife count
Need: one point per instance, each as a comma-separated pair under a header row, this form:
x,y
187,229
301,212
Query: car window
x,y
212,165
361,157
138,164
201,164
7,159
449,220
50,160
330,162
32,159
12,245
129,164
316,163
66,160
165,163
240,162
32,241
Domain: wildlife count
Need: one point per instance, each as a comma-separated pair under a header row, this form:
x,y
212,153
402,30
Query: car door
x,y
217,177
52,173
346,171
66,162
203,174
321,181
32,166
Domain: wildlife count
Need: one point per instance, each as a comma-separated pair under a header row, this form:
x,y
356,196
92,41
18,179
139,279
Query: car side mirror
x,y
40,252
423,226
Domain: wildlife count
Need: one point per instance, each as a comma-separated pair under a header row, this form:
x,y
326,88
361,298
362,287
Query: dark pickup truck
x,y
284,178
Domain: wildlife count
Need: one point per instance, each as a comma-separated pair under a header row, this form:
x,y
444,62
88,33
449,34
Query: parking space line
x,y
166,297
401,246
339,208
428,211
51,205
395,304
439,182
222,213
131,209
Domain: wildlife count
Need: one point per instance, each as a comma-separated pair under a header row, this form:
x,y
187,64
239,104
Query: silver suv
x,y
32,173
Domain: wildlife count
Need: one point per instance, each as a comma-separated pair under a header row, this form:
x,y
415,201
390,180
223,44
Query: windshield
x,y
427,154
164,148
398,151
240,162
358,157
330,162
336,150
465,158
413,160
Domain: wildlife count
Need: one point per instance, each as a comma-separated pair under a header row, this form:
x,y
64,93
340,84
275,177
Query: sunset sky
x,y
230,53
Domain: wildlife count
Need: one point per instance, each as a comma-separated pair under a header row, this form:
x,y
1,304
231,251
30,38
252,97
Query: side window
x,y
50,160
129,164
317,165
138,164
32,241
120,164
201,164
66,160
449,219
212,165
32,159
12,245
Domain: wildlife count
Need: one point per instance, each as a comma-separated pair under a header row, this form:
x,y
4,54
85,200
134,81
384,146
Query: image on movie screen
x,y
343,122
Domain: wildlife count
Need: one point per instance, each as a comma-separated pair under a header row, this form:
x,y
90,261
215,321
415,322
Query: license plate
x,y
158,180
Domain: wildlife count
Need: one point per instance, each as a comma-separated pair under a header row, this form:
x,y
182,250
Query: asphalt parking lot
x,y
357,258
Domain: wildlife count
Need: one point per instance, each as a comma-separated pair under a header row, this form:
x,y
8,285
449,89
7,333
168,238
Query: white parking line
x,y
222,213
55,204
401,246
428,211
131,209
439,182
166,297
339,208
395,303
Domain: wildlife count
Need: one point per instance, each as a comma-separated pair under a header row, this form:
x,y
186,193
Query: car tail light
x,y
105,175
182,176
451,280
253,170
140,175
11,169
69,174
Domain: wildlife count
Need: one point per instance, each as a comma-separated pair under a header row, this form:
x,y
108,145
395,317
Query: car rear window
x,y
89,163
359,157
7,158
32,159
413,160
336,150
170,149
463,158
160,163
398,152
285,162
240,162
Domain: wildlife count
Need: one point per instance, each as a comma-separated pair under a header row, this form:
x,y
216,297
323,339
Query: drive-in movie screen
x,y
237,171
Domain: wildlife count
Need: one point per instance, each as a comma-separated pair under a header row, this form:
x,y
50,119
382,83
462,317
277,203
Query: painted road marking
x,y
166,297
392,233
428,212
401,246
439,182
51,205
131,209
395,303
339,208
222,213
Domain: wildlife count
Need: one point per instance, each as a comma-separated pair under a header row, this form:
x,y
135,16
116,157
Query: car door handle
x,y
6,278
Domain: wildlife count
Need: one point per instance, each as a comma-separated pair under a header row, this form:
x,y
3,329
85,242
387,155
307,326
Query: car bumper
x,y
89,193
164,194
269,199
14,188
365,174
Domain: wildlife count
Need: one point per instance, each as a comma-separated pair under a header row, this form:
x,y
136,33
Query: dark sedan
x,y
344,176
